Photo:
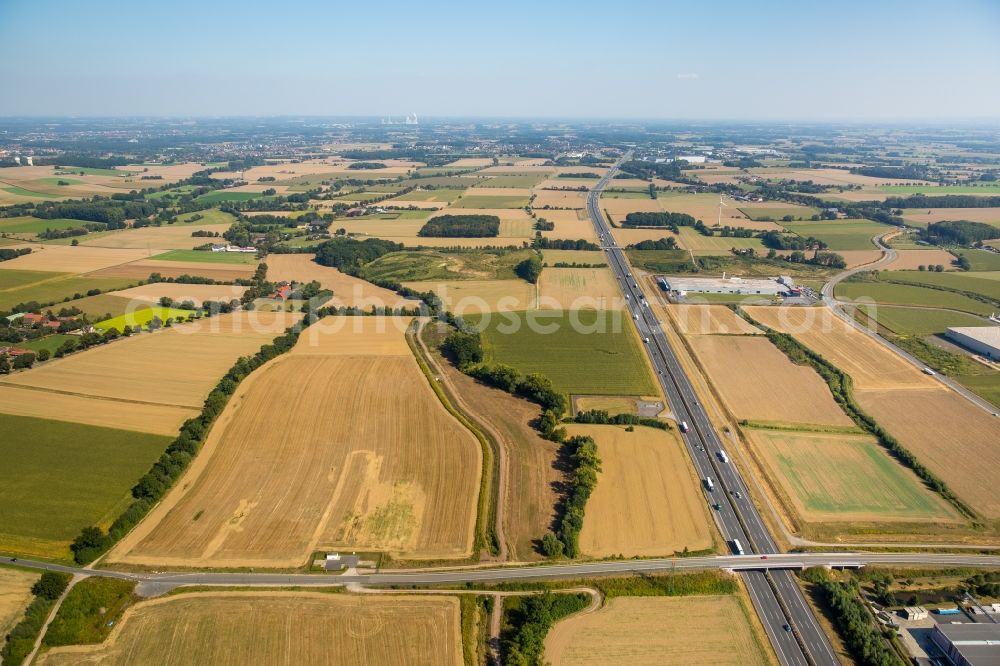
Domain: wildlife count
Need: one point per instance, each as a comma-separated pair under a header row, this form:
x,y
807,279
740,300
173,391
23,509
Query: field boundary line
x,y
75,394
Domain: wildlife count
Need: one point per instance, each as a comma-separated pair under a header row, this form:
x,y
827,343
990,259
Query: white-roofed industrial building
x,y
969,644
725,285
984,340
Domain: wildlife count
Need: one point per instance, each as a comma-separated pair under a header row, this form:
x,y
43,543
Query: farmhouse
x,y
983,340
233,248
682,285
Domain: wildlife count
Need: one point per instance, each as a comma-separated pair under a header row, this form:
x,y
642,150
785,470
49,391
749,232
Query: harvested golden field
x,y
659,630
471,162
856,258
706,319
237,628
758,382
69,259
513,214
591,257
15,595
197,293
868,362
355,336
924,216
910,260
834,177
569,224
558,199
378,465
347,290
472,296
646,501
125,415
176,366
163,238
563,183
497,192
953,438
857,481
141,269
579,289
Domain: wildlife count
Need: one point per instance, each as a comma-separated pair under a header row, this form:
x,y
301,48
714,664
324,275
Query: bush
x,y
530,269
463,348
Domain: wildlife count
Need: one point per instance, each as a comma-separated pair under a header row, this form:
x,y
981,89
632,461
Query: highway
x,y
778,600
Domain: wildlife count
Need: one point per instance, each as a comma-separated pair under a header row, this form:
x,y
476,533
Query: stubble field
x,y
236,628
378,465
579,288
706,319
15,595
646,501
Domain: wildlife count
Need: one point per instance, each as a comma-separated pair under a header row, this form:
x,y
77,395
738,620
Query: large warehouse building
x,y
969,644
983,340
725,285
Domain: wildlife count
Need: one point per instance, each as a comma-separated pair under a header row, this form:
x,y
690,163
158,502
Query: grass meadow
x,y
202,256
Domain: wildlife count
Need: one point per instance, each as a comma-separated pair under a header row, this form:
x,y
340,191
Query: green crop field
x,y
690,239
172,193
523,180
64,287
12,279
840,234
478,201
600,356
971,282
208,216
58,477
981,260
224,195
417,265
444,195
141,317
627,194
93,171
20,191
25,224
931,190
804,212
97,307
58,181
986,386
661,261
858,480
49,342
902,294
919,321
206,256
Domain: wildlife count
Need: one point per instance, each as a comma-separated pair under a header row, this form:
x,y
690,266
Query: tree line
x,y
461,226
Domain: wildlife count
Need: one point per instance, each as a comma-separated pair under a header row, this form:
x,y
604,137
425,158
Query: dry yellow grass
x,y
870,364
705,319
237,628
137,416
646,501
176,366
347,290
141,269
68,259
579,289
197,293
163,238
472,296
758,382
952,437
15,595
377,465
912,259
658,630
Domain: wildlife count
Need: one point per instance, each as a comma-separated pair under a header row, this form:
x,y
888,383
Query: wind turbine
x,y
721,204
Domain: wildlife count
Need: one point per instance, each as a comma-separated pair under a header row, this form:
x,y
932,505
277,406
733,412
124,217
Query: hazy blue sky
x,y
700,60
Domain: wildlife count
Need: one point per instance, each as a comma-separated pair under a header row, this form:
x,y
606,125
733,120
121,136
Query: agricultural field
x,y
706,320
201,256
981,260
840,234
768,212
904,294
545,199
141,270
589,257
443,195
49,342
423,265
168,237
58,478
582,351
857,482
919,321
940,190
921,217
270,488
468,297
235,628
570,224
647,500
491,201
15,595
522,180
758,382
150,382
51,287
221,196
911,260
68,259
142,317
579,288
197,293
27,226
987,284
347,290
690,239
659,630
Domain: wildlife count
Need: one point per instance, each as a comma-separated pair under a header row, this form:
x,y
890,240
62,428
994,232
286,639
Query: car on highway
x,y
787,627
684,428
737,494
646,340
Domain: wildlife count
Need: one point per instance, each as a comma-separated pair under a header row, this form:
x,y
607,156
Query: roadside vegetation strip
x,y
21,640
487,506
89,612
841,386
93,541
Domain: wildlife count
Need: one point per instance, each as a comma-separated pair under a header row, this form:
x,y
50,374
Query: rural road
x,y
836,306
777,598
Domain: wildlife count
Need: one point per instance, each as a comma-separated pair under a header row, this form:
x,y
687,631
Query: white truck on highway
x,y
722,456
737,547
708,483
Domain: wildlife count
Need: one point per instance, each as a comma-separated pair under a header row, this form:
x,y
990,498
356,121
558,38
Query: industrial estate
x,y
465,391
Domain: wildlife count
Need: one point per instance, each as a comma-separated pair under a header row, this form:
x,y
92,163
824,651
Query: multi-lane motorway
x,y
794,632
